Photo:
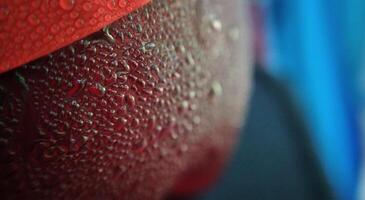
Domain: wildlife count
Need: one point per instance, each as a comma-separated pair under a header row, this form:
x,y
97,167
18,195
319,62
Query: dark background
x,y
275,159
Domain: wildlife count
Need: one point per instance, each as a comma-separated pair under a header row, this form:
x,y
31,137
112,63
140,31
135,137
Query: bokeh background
x,y
315,49
303,138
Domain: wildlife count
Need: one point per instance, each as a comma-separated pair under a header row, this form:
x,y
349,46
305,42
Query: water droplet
x,y
21,80
67,4
216,89
85,138
122,3
148,46
192,94
70,30
93,21
141,83
108,35
183,148
97,90
216,24
111,4
174,135
79,23
135,122
139,28
87,6
183,106
130,100
163,152
75,104
196,120
190,59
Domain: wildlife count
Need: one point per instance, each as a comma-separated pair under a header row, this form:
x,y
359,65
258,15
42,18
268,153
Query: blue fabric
x,y
314,46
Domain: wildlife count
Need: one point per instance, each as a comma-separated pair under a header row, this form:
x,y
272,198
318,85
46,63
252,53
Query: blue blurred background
x,y
316,49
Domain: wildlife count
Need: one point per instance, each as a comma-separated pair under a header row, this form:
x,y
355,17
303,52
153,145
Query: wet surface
x,y
123,113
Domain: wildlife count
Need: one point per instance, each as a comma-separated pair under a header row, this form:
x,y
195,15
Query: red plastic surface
x,y
31,29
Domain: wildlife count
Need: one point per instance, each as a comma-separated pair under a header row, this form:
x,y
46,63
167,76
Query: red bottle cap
x,y
31,29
